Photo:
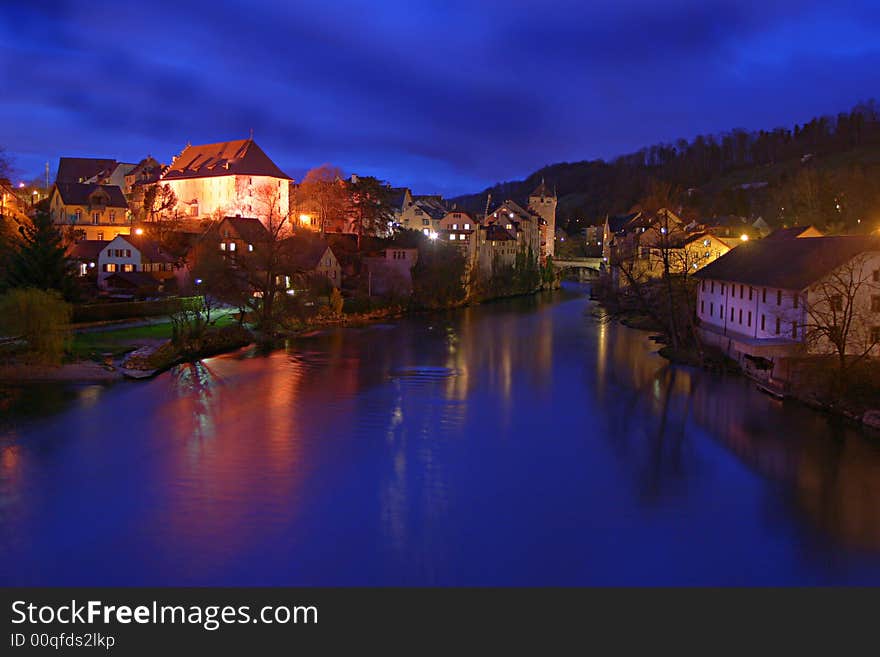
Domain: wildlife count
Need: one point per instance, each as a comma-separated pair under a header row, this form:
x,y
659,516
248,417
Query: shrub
x,y
336,302
41,318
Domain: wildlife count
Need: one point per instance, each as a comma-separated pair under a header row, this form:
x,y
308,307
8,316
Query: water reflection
x,y
831,470
520,442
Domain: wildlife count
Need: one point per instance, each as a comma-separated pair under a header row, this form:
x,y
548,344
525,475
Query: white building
x,y
766,300
226,179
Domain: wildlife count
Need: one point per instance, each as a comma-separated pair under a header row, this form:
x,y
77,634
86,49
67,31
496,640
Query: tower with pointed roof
x,y
542,202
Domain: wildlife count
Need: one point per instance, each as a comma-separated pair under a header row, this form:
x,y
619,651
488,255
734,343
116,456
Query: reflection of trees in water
x,y
831,470
33,401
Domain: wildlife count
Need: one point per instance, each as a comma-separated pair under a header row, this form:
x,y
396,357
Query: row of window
x,y
112,267
118,253
231,246
742,292
96,216
748,318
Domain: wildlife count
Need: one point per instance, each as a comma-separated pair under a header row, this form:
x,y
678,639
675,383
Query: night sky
x,y
443,96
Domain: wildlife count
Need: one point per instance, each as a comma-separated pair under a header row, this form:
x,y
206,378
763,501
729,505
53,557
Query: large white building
x,y
226,179
772,299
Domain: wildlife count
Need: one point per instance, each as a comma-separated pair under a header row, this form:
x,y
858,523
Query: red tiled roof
x,y
239,157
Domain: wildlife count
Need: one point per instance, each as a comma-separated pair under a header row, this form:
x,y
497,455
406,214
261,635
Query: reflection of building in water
x,y
834,471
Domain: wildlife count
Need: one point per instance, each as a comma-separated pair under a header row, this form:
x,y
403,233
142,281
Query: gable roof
x,y
87,249
791,232
79,193
80,169
619,222
789,264
226,158
150,249
305,252
249,229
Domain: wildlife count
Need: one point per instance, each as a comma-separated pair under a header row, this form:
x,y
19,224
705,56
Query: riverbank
x,y
810,391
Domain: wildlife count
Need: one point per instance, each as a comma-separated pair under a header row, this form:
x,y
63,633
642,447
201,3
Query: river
x,y
521,442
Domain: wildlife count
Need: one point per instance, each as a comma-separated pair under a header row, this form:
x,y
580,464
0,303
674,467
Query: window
x,y
426,222
112,216
731,314
875,304
751,289
96,217
764,295
110,267
713,287
83,269
222,246
741,290
711,309
794,330
250,247
467,226
721,311
763,323
100,236
232,246
796,300
837,302
750,319
128,253
702,307
79,215
740,315
876,275
778,297
722,288
452,236
128,267
454,226
778,325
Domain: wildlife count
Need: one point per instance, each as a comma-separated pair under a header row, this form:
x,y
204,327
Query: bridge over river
x,y
586,268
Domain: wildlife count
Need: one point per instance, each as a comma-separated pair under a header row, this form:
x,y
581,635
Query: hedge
x,y
104,312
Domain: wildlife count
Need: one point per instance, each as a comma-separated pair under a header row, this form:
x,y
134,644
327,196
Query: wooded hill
x,y
825,172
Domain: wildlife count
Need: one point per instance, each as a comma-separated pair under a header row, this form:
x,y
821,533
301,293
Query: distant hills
x,y
824,172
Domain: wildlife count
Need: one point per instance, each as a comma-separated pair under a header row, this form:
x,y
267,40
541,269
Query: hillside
x,y
824,172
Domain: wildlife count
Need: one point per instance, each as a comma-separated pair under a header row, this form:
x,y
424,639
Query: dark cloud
x,y
445,96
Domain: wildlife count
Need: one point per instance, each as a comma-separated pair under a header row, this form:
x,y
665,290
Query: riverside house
x,y
773,300
134,264
89,211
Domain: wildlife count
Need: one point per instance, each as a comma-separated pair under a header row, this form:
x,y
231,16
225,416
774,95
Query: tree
x,y
158,211
369,207
216,279
438,277
264,269
322,194
841,313
40,260
41,318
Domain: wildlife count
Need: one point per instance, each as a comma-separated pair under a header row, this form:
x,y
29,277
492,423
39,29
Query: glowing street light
x,y
432,235
744,237
138,231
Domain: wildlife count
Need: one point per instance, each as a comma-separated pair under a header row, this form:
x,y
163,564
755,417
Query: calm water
x,y
520,442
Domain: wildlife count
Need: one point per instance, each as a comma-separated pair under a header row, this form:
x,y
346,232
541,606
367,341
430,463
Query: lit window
x,y
454,226
467,226
110,267
112,216
250,247
128,267
96,217
232,246
222,246
452,236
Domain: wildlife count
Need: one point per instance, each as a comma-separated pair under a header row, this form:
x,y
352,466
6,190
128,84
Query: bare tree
x,y
322,194
265,267
842,312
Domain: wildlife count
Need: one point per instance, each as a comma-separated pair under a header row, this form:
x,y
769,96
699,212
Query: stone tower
x,y
543,203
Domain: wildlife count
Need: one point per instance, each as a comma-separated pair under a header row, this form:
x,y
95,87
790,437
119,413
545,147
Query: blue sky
x,y
442,96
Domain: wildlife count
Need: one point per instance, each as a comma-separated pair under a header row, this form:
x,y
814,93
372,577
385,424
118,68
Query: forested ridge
x,y
824,172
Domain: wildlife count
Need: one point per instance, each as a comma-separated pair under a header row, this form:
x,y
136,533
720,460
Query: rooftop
x,y
789,264
240,157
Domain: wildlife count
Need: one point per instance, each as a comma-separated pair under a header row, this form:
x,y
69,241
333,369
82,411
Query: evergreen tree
x,y
41,261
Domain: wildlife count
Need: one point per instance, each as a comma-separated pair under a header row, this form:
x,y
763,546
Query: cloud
x,y
447,96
